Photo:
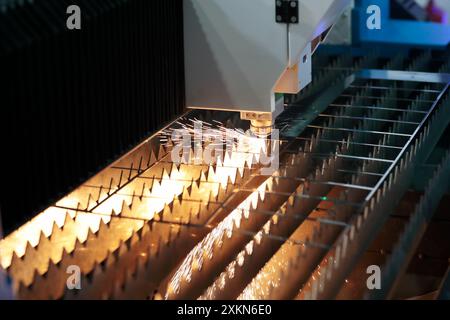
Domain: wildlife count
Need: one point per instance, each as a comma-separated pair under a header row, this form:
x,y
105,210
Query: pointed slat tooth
x,y
124,208
165,212
15,266
67,219
91,236
230,187
42,240
93,285
173,170
203,177
196,191
103,226
123,248
117,289
55,229
23,292
223,191
110,260
91,203
178,200
197,181
43,292
158,246
47,286
240,176
161,152
22,273
135,200
186,194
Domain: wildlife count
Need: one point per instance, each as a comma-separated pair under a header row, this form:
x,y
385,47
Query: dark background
x,y
72,101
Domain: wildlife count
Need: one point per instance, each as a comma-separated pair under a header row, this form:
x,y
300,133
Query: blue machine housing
x,y
392,31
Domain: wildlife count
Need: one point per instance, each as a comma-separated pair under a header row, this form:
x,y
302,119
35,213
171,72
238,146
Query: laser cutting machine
x,y
95,206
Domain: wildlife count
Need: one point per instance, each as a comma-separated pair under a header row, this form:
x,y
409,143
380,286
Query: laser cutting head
x,y
239,54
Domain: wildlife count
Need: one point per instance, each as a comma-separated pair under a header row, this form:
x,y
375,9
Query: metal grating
x,y
146,227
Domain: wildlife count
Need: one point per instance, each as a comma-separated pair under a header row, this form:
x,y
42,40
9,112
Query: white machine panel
x,y
237,56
